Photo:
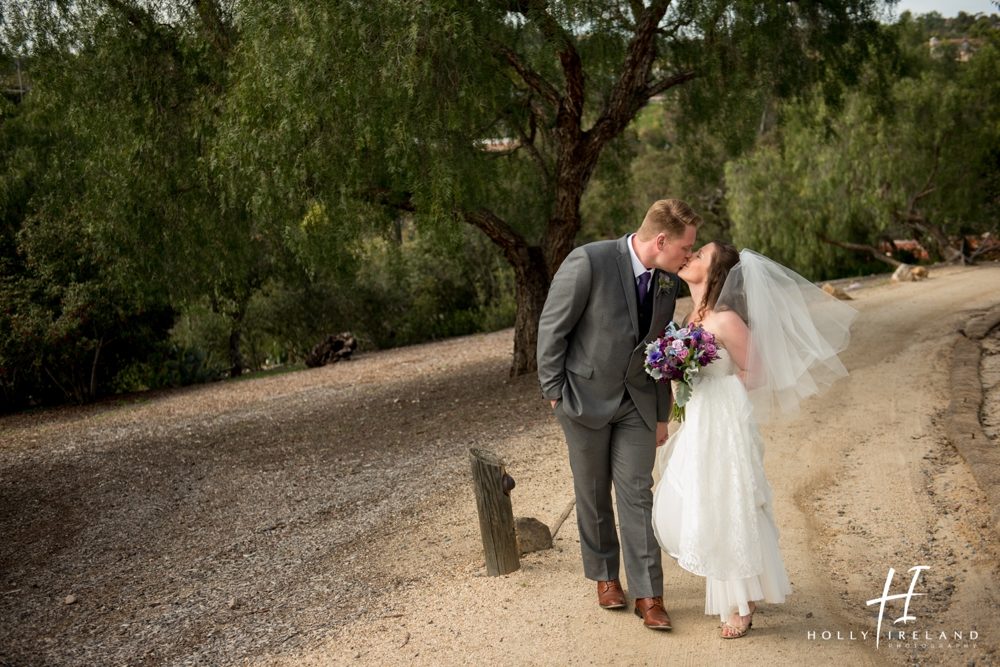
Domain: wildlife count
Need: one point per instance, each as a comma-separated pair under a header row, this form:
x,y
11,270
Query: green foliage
x,y
431,288
925,165
684,163
66,341
271,173
610,207
403,291
387,118
393,114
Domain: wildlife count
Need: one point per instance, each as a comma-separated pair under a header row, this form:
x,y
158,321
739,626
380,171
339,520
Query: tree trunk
x,y
93,369
236,363
532,279
561,231
937,236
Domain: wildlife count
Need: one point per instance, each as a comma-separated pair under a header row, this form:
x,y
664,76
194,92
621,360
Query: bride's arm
x,y
734,335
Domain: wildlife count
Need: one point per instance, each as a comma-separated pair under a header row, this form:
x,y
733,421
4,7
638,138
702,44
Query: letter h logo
x,y
908,595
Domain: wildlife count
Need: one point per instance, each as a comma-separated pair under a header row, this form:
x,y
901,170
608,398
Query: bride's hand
x,y
661,433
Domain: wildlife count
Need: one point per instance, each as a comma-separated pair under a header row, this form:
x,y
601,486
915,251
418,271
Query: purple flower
x,y
678,353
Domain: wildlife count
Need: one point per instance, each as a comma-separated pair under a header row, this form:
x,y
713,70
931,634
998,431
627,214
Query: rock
x,y
836,292
906,273
234,603
531,534
69,599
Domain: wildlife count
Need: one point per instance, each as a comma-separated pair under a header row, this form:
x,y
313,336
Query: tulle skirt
x,y
736,571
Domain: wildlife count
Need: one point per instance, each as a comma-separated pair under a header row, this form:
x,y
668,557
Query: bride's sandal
x,y
730,631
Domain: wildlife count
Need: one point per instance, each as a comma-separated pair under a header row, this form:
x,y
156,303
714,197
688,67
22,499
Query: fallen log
x,y
332,349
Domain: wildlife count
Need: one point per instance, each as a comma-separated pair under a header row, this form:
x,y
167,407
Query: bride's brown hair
x,y
725,258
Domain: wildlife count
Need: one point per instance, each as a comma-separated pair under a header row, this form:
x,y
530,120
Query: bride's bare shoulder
x,y
722,322
729,317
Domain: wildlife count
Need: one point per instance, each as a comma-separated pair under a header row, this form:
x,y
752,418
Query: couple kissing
x,y
778,337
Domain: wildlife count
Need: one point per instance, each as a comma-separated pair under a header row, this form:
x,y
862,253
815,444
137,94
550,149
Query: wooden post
x,y
496,517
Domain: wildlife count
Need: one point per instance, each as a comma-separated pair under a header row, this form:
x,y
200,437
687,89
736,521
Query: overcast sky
x,y
947,7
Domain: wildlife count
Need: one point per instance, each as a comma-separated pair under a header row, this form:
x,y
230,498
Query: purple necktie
x,y
643,286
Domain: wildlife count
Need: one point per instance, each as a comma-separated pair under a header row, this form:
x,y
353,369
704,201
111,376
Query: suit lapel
x,y
663,304
628,283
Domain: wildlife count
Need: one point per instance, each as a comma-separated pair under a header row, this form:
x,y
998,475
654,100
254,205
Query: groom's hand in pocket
x,y
661,433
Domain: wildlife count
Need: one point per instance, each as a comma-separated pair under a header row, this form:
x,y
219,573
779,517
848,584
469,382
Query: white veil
x,y
796,332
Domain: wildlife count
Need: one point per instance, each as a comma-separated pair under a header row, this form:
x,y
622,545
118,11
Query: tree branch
x,y
928,186
623,21
915,219
570,104
637,9
669,82
569,57
93,368
533,79
528,141
511,243
631,91
860,247
143,21
139,19
213,21
986,244
66,393
671,30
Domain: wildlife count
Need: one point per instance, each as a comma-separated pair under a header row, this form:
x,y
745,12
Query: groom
x,y
607,300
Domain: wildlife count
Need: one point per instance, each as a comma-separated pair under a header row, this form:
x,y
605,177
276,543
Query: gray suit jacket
x,y
590,349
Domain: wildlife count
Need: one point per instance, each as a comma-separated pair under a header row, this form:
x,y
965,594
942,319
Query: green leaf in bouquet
x,y
683,394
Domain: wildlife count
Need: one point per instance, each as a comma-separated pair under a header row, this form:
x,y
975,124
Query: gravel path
x,y
324,516
213,524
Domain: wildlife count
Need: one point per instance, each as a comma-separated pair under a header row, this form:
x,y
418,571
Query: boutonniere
x,y
666,284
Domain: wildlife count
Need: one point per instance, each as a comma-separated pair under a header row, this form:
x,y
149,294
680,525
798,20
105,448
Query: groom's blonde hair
x,y
670,217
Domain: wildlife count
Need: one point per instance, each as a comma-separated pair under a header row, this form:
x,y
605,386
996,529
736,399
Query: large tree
x,y
392,104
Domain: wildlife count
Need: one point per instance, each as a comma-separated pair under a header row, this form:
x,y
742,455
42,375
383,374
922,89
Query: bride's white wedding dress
x,y
712,506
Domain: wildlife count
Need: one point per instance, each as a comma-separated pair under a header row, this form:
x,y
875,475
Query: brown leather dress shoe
x,y
610,594
652,613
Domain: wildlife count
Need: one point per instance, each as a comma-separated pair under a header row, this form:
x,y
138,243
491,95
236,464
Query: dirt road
x,y
325,517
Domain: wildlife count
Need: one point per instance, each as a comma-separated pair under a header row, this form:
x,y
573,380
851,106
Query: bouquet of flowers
x,y
678,355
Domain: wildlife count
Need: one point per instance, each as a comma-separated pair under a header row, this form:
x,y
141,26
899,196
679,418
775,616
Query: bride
x,y
778,336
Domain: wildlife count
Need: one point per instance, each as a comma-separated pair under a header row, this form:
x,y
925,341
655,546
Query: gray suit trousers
x,y
620,453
